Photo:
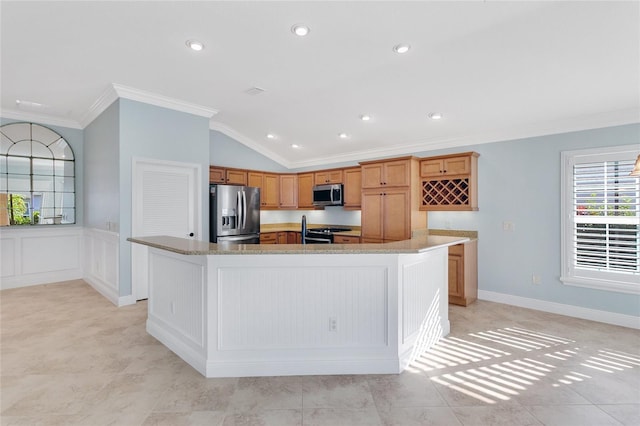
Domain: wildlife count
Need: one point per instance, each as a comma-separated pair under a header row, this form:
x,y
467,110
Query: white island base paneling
x,y
300,314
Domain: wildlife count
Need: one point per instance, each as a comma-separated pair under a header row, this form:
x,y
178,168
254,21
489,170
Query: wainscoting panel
x,y
289,307
39,255
101,252
177,295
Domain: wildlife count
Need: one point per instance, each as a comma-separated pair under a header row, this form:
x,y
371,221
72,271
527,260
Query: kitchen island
x,y
234,310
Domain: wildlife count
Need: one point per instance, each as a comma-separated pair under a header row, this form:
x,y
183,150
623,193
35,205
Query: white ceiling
x,y
496,70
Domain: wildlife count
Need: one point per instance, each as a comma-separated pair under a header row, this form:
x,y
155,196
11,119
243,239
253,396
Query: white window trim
x,y
624,283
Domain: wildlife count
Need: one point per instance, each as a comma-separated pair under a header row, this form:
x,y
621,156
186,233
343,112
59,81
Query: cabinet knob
x,y
191,234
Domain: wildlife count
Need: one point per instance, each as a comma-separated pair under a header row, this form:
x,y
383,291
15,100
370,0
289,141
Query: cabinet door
x,y
270,190
216,175
345,239
456,271
282,237
431,168
328,176
293,237
372,175
457,166
372,214
305,190
268,238
352,187
288,192
397,173
255,179
236,177
396,222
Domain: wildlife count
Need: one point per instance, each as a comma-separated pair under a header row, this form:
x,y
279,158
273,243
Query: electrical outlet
x,y
333,324
508,226
535,279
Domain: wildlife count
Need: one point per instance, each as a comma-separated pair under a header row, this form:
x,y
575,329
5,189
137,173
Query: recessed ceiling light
x,y
435,115
295,146
271,136
195,45
365,117
343,136
401,48
300,30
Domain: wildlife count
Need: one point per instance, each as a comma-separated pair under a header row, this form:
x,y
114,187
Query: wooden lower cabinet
x,y
463,273
268,238
346,239
281,237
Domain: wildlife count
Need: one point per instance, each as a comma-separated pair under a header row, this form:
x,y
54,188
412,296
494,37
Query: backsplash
x,y
328,216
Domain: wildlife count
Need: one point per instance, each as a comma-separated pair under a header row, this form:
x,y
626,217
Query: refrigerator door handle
x,y
239,209
244,209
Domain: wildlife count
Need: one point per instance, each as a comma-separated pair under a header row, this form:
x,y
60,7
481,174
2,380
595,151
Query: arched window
x,y
37,176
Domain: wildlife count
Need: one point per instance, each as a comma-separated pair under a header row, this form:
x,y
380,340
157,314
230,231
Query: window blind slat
x,y
606,208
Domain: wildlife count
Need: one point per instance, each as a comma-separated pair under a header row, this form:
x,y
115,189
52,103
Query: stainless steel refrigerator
x,y
234,214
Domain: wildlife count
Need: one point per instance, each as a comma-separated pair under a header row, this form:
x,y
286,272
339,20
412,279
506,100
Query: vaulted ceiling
x,y
494,70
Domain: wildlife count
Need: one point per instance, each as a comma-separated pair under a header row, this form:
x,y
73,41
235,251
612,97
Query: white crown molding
x,y
115,91
574,124
163,101
39,118
107,97
248,142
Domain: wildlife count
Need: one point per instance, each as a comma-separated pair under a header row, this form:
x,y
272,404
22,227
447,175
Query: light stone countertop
x,y
417,244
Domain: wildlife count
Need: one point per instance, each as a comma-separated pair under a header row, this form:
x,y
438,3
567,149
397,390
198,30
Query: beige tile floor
x,y
69,357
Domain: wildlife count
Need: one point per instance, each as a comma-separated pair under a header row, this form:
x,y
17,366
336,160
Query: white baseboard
x,y
562,309
40,278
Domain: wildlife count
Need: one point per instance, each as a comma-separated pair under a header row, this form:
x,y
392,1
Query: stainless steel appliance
x,y
322,235
234,214
328,195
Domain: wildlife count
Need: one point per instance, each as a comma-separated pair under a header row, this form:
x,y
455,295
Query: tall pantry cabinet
x,y
390,200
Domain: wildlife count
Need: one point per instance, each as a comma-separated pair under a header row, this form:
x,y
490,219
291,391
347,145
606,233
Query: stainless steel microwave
x,y
328,195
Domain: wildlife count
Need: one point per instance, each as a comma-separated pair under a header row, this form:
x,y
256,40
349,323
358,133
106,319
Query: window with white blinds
x,y
601,219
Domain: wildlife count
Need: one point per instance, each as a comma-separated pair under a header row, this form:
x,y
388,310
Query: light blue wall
x,y
101,179
75,138
228,152
152,132
519,182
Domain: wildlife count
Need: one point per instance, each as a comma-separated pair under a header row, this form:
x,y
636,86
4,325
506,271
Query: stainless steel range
x,y
322,235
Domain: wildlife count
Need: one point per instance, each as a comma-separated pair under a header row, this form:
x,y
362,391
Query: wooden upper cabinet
x,y
227,175
381,174
441,166
352,187
269,184
288,192
236,177
450,182
328,176
216,174
305,191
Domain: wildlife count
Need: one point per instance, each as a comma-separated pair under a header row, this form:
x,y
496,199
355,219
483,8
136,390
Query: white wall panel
x,y
8,257
177,293
295,307
50,253
101,263
40,255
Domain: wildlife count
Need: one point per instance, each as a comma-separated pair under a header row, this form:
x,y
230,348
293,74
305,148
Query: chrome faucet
x,y
303,231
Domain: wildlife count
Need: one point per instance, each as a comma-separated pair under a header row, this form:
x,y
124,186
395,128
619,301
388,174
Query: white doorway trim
x,y
142,168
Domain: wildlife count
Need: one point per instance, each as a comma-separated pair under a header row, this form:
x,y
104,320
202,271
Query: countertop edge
x,y
190,247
